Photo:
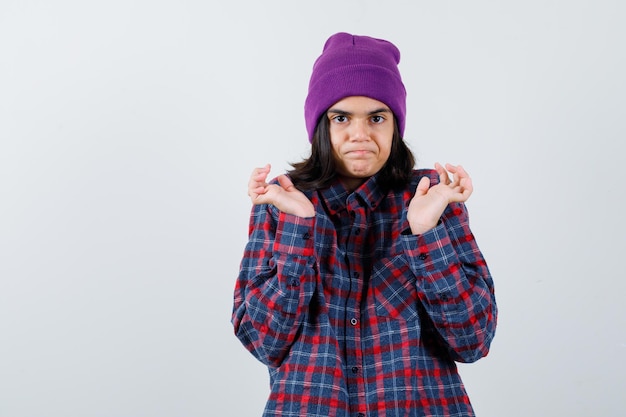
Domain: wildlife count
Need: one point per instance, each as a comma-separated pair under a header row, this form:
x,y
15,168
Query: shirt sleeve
x,y
454,284
275,284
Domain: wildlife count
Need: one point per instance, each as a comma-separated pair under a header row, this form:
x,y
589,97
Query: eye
x,y
340,118
377,119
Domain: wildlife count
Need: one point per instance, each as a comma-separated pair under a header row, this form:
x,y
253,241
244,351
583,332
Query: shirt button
x,y
353,321
422,256
360,415
355,370
295,282
306,236
357,232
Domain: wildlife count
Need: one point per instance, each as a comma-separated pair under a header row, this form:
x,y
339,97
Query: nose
x,y
359,130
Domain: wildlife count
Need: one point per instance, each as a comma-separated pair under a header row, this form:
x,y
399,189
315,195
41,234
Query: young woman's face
x,y
361,133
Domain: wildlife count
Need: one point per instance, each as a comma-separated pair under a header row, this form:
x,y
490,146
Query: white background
x,y
128,130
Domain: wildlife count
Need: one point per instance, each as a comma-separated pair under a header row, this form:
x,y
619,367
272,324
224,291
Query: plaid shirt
x,y
353,315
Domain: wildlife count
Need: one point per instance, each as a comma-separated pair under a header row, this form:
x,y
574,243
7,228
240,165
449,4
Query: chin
x,y
363,173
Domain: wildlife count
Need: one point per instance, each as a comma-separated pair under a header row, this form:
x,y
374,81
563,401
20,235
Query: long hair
x,y
318,170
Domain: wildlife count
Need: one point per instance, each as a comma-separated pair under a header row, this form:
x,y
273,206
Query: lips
x,y
359,152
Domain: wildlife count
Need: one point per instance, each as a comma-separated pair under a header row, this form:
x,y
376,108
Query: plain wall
x,y
128,130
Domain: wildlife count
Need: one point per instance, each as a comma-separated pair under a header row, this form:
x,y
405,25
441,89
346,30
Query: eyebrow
x,y
347,113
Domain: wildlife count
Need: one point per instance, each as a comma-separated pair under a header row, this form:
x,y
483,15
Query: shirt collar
x,y
336,195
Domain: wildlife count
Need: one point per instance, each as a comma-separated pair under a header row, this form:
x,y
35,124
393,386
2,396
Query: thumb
x,y
422,186
285,182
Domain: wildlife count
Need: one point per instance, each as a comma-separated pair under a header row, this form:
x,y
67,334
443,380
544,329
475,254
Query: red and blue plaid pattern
x,y
354,316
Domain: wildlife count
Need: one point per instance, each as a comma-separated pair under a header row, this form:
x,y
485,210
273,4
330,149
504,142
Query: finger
x,y
261,170
285,182
461,175
265,195
258,190
261,173
257,178
458,173
256,187
422,186
259,199
467,185
443,174
463,191
452,168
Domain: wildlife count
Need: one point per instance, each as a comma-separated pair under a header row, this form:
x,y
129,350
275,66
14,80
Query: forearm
x,y
454,285
274,287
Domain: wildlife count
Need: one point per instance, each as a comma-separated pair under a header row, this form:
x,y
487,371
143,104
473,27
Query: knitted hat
x,y
352,65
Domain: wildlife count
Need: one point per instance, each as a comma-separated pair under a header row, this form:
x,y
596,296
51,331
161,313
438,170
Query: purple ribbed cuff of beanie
x,y
353,65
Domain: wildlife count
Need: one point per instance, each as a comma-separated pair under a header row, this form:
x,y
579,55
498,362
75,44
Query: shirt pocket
x,y
393,286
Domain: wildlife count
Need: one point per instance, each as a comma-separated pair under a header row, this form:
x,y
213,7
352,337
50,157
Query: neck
x,y
352,184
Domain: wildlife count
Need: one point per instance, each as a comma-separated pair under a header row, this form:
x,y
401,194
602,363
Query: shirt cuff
x,y
429,251
294,235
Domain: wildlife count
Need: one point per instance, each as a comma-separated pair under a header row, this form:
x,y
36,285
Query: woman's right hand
x,y
284,195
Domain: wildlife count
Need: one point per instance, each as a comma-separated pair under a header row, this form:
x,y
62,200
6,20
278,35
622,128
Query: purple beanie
x,y
352,65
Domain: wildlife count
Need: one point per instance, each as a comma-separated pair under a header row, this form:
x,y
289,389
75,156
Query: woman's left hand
x,y
429,203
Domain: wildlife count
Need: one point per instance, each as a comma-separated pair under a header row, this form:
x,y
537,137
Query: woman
x,y
361,283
